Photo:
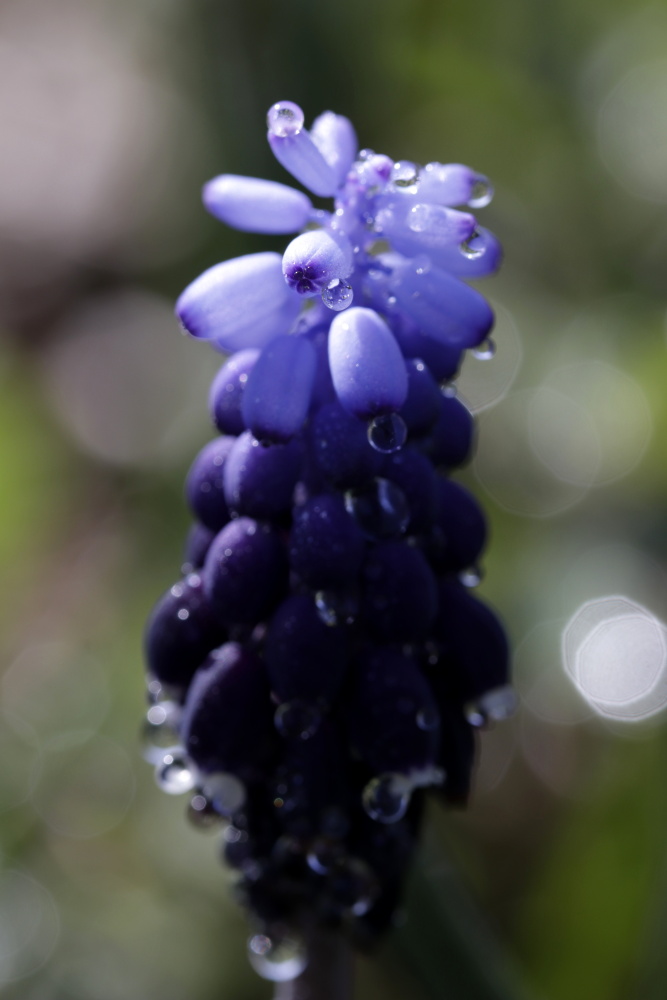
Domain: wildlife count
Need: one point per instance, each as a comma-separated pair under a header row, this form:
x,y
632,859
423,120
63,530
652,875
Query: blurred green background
x,y
112,114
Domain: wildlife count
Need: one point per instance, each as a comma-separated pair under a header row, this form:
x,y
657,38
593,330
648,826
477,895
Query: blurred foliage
x,y
105,891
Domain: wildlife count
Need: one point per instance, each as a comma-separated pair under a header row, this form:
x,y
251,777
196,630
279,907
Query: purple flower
x,y
326,664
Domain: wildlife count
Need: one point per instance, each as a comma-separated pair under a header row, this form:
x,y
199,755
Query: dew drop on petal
x,y
405,175
225,792
482,192
278,961
173,773
296,720
337,295
427,719
353,885
471,577
494,706
387,433
201,813
485,351
160,730
380,509
386,798
323,855
473,247
285,118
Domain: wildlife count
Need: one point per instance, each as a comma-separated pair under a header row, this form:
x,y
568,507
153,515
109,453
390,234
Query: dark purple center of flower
x,y
305,279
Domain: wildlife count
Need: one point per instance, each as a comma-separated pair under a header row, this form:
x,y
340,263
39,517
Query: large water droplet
x,y
380,509
285,118
471,577
474,246
481,193
201,813
353,885
485,351
296,720
386,798
493,706
428,719
337,607
225,791
337,295
173,773
405,175
387,433
278,961
160,730
323,855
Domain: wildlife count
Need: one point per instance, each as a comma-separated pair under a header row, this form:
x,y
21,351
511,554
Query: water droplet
x,y
353,885
278,961
337,607
225,791
296,720
387,433
380,508
485,351
471,577
323,855
405,175
474,246
160,730
201,813
481,193
386,798
337,295
285,118
173,773
428,719
493,706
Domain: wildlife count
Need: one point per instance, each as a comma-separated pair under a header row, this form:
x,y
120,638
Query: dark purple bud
x,y
450,441
459,534
475,651
414,474
442,360
338,442
326,544
422,406
245,572
259,480
197,545
227,719
204,487
399,597
227,391
311,782
305,659
180,633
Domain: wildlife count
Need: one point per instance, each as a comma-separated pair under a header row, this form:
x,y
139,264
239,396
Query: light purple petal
x,y
315,258
336,140
415,227
452,184
486,258
255,205
299,154
367,366
243,302
277,394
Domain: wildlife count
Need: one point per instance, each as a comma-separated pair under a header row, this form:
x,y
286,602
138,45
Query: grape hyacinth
x,y
323,663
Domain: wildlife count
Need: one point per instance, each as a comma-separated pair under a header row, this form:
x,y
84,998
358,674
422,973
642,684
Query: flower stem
x,y
329,973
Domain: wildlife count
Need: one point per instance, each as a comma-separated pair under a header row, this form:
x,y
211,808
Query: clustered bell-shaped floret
x,y
323,661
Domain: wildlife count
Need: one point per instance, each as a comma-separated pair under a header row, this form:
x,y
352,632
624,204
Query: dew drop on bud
x,y
428,719
296,720
225,791
353,885
160,730
386,798
380,509
337,295
323,855
471,577
481,193
485,351
285,118
337,607
473,247
278,961
201,814
173,773
387,433
494,706
405,175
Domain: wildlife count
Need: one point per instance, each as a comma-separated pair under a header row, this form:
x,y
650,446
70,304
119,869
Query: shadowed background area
x,y
112,115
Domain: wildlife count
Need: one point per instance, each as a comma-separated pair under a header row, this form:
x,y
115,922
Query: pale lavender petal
x,y
255,205
300,156
454,184
336,140
277,394
367,366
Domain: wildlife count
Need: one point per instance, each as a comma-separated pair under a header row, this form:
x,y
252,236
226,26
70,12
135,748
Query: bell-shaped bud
x,y
442,360
414,474
180,633
399,594
416,227
336,140
293,147
314,259
422,406
277,394
197,545
450,441
459,533
367,366
454,184
243,302
245,572
226,393
259,481
326,543
227,719
256,206
204,484
338,444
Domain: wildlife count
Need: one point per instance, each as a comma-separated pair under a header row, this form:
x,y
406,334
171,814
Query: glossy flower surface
x,y
323,661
